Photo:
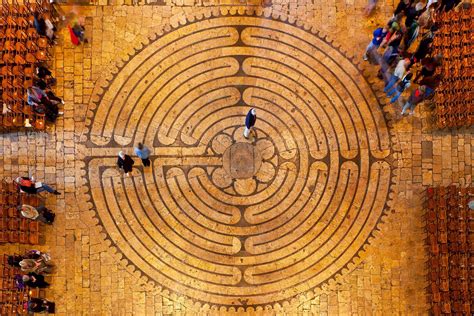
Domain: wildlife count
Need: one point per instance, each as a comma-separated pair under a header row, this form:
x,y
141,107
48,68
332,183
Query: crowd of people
x,y
34,265
41,97
401,67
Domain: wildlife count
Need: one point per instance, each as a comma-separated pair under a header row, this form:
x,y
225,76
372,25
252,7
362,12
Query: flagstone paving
x,y
318,212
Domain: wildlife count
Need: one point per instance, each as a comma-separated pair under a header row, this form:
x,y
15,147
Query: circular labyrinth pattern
x,y
230,221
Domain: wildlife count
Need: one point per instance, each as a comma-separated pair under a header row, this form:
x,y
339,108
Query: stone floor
x,y
319,212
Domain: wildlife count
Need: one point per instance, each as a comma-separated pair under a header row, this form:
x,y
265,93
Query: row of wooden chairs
x,y
14,228
454,97
12,298
21,48
450,17
450,230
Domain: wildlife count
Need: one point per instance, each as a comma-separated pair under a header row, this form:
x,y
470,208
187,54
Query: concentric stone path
x,y
292,208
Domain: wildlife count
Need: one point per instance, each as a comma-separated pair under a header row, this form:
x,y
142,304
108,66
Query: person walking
x,y
398,73
143,153
125,162
250,120
397,90
416,97
29,185
378,36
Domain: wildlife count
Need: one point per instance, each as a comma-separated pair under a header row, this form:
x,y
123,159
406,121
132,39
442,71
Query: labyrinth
x,y
221,219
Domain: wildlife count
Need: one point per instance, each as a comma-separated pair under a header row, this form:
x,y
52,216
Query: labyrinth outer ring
x,y
330,163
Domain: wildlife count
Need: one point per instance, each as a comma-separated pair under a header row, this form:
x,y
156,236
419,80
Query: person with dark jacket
x,y
28,185
402,6
250,120
413,12
34,280
38,305
125,162
40,24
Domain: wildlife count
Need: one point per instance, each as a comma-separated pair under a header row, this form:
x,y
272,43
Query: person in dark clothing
x,y
430,83
14,260
402,6
125,162
28,185
411,35
448,5
45,75
38,305
40,24
424,48
34,280
250,120
413,12
428,68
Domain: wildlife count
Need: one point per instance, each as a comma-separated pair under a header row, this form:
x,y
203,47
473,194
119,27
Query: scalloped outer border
x,y
101,86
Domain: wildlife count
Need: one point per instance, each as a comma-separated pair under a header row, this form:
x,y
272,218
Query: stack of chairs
x,y
450,225
454,97
13,227
21,48
12,299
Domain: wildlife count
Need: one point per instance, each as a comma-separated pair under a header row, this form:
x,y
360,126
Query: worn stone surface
x,y
161,241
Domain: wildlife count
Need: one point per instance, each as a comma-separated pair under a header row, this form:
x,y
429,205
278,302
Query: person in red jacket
x,y
29,185
416,97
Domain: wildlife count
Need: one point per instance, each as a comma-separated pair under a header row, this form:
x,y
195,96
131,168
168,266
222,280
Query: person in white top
x,y
398,73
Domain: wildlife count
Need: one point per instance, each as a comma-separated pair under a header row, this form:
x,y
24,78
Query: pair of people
x,y
44,78
44,26
29,185
44,102
125,162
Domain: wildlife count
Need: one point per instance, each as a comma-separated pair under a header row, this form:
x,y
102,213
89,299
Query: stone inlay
x,y
250,235
242,160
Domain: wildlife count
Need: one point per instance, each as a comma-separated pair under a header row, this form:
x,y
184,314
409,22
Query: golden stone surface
x,y
330,224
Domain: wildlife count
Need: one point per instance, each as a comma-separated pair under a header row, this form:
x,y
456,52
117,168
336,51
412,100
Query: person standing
x,y
125,162
378,36
250,120
143,153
